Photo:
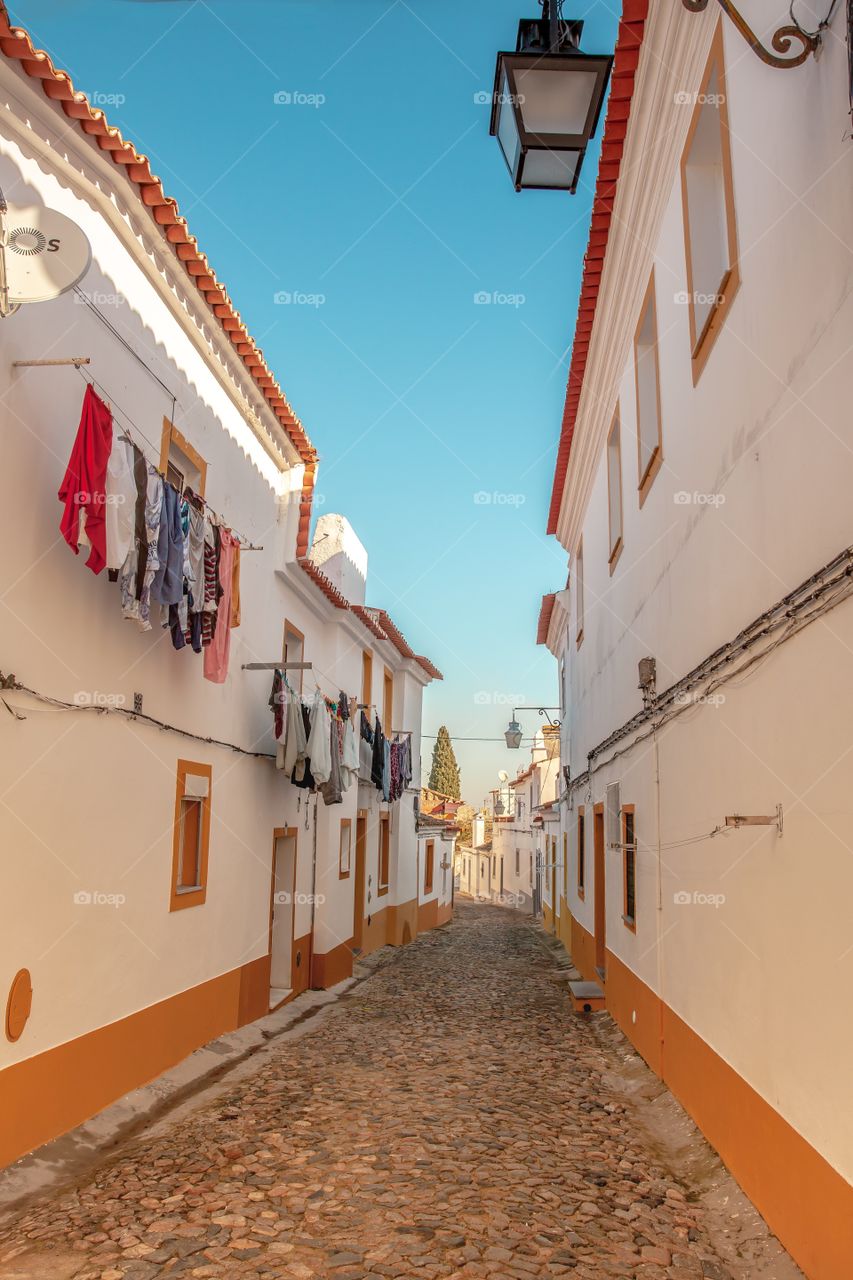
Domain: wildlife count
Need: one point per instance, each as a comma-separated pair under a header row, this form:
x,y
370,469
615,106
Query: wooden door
x,y
600,889
358,888
283,910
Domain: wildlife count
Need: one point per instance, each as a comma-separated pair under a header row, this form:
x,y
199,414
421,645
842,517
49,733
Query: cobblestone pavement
x,y
449,1118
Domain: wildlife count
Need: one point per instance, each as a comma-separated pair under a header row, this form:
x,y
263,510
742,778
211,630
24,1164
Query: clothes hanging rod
x,y
275,666
31,364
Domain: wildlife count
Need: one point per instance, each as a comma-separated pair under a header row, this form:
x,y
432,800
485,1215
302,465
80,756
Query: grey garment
x,y
332,791
194,563
168,584
386,771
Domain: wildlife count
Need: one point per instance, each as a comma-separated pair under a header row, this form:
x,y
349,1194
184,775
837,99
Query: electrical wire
x,y
58,704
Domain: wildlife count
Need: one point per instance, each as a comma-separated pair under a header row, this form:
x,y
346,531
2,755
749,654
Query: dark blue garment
x,y
168,584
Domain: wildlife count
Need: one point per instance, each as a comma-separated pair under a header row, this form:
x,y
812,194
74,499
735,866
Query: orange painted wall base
x,y
45,1096
445,913
805,1202
331,967
427,915
403,923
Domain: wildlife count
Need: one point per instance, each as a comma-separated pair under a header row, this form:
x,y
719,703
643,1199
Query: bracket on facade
x,y
752,820
781,39
32,364
276,666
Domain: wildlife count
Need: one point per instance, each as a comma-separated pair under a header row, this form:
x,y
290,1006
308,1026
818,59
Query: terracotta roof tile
x,y
628,43
545,617
16,44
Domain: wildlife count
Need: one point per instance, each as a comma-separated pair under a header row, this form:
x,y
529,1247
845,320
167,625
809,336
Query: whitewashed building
x,y
523,839
163,881
702,493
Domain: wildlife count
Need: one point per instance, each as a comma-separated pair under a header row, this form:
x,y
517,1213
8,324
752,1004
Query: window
x,y
581,851
614,491
180,463
629,866
429,865
710,234
293,650
388,703
384,854
649,442
345,850
579,590
518,862
367,683
191,838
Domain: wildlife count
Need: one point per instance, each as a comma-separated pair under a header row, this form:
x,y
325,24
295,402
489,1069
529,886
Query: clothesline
x,y
245,543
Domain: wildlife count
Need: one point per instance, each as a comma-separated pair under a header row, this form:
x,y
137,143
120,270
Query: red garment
x,y
83,490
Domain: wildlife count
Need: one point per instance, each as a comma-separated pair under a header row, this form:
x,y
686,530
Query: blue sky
x,y
377,201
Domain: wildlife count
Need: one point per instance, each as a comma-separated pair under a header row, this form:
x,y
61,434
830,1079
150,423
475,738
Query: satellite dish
x,y
503,776
45,252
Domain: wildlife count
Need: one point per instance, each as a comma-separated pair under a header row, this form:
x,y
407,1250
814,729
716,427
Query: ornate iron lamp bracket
x,y
781,40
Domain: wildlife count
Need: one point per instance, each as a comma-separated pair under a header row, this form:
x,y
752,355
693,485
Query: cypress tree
x,y
444,774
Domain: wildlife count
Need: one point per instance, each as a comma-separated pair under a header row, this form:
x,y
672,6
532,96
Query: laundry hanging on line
x,y
164,548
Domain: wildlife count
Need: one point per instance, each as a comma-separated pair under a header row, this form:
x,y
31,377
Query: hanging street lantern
x,y
547,100
513,735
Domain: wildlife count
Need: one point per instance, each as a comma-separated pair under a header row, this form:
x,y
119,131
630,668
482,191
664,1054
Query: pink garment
x,y
216,653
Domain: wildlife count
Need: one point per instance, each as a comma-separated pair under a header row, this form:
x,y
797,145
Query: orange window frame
x,y
170,435
429,866
383,874
345,846
367,681
581,884
579,604
629,857
294,678
702,342
180,898
387,702
615,546
653,466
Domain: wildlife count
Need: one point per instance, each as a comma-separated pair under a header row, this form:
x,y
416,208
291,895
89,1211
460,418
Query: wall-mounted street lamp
x,y
513,731
547,100
807,42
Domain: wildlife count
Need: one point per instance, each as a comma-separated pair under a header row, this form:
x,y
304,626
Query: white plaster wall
x,y
763,976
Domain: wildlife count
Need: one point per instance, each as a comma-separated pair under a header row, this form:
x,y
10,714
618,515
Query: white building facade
x,y
126,762
702,495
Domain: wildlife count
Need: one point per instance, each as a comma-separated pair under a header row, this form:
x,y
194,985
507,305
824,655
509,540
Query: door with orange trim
x,y
600,890
358,888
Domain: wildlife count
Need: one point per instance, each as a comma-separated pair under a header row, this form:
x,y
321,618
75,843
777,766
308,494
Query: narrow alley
x,y
449,1117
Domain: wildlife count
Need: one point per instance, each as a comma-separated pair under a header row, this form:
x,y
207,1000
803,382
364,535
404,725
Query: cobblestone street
x,y
450,1117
